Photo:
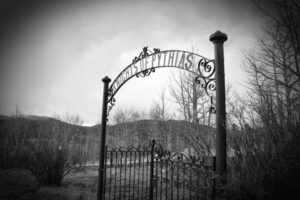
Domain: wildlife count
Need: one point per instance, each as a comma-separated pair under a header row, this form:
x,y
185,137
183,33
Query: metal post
x,y
218,38
214,179
152,170
100,193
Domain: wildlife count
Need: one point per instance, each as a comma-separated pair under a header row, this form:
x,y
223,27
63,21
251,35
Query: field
x,y
18,184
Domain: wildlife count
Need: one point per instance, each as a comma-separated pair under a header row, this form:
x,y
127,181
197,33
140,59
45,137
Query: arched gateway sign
x,y
148,61
208,73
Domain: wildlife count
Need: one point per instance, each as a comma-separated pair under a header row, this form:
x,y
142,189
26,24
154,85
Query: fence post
x,y
100,193
214,178
152,170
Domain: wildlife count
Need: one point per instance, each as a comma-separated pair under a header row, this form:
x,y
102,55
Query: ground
x,y
18,184
128,183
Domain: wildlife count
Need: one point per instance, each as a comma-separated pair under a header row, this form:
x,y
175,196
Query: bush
x,y
263,167
53,155
50,162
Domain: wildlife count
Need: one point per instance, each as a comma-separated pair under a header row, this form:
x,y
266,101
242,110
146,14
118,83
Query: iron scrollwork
x,y
204,74
146,52
206,79
163,154
111,103
145,73
111,92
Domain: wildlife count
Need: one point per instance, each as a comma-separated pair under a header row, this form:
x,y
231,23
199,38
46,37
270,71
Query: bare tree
x,y
264,141
125,120
285,15
159,109
55,152
159,114
191,98
277,62
194,105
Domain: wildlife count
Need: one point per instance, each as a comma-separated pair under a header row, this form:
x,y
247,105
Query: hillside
x,y
29,126
172,134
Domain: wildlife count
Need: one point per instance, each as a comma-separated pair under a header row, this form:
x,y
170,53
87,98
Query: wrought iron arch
x,y
204,71
205,76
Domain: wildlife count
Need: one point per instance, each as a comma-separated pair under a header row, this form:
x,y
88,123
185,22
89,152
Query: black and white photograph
x,y
149,99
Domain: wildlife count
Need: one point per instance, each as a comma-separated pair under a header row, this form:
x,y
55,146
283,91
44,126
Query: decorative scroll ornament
x,y
146,52
159,154
110,104
206,79
145,73
166,155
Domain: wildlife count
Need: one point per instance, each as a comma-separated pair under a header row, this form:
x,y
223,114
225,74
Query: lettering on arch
x,y
148,61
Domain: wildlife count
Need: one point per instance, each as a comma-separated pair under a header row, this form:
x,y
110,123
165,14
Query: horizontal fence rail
x,y
153,173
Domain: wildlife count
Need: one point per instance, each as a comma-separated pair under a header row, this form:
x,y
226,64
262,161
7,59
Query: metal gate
x,y
154,173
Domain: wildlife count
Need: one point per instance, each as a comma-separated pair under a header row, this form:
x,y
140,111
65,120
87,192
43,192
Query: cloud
x,y
54,54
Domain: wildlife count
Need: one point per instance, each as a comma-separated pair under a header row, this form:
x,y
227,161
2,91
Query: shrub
x,y
53,154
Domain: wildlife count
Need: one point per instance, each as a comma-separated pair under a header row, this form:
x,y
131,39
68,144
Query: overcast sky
x,y
54,55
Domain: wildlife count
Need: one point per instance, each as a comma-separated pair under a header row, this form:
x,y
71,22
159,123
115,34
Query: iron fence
x,y
154,173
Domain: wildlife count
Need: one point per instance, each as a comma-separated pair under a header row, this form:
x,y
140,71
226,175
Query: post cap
x,y
218,36
106,79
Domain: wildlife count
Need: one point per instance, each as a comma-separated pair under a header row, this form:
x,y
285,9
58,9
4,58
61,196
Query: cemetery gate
x,y
150,172
208,73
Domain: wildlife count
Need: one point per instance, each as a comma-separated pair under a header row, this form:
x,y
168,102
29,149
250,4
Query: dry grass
x,y
18,184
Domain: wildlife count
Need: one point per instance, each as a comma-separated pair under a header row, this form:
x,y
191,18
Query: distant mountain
x,y
29,125
173,134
